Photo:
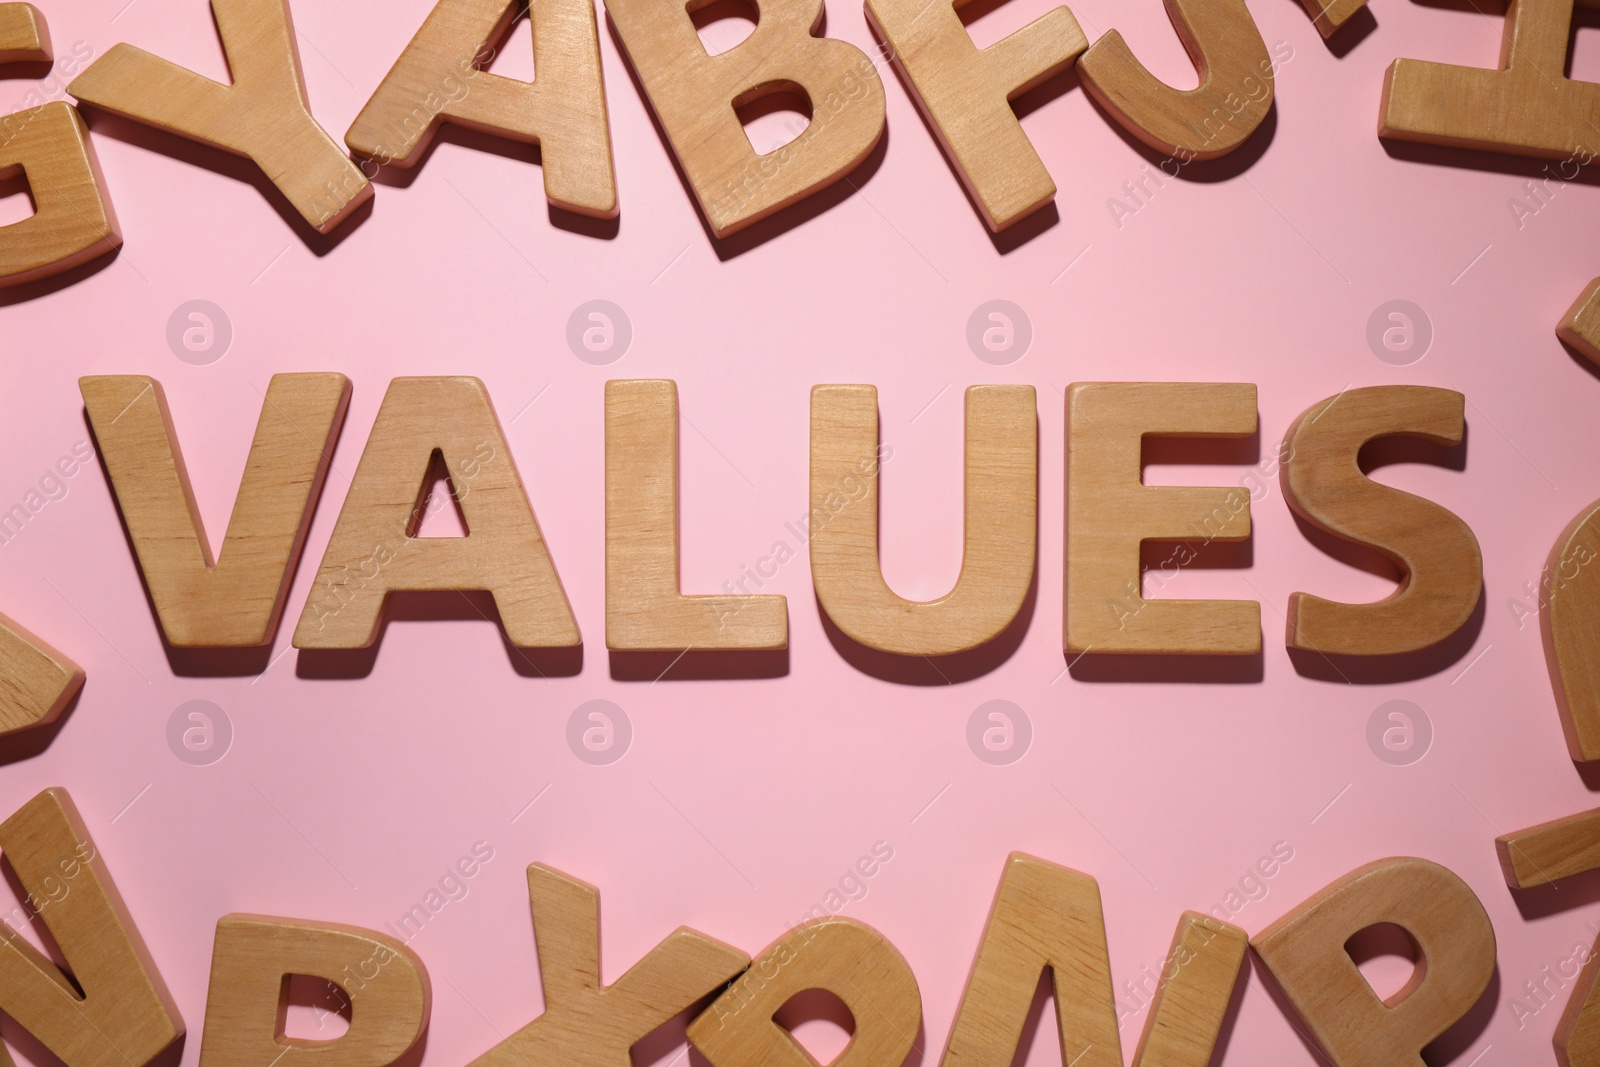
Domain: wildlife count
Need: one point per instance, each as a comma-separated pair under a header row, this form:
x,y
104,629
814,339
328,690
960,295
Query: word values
x,y
448,426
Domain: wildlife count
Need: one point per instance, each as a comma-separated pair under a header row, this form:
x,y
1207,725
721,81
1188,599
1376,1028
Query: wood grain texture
x,y
36,681
1437,554
1210,120
1043,916
845,957
24,35
1580,326
73,221
382,981
235,599
263,115
1110,513
1048,917
585,1022
1577,1036
965,92
124,1016
1305,952
1001,532
1569,623
696,96
437,80
1550,851
1330,16
1526,107
375,549
645,610
1192,997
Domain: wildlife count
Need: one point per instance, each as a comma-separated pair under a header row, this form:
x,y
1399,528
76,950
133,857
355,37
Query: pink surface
x,y
742,802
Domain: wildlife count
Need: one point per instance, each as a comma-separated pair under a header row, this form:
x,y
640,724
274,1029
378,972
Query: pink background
x,y
742,802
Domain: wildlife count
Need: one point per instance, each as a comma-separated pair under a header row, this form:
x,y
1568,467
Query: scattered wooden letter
x,y
1002,501
1580,326
1550,851
1110,512
1436,552
585,1023
645,610
1043,916
1210,120
1569,621
1329,16
437,80
965,93
1305,951
234,601
1192,996
374,549
262,116
382,981
124,1014
36,681
1047,917
697,97
73,221
1527,107
24,35
845,957
1577,1036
